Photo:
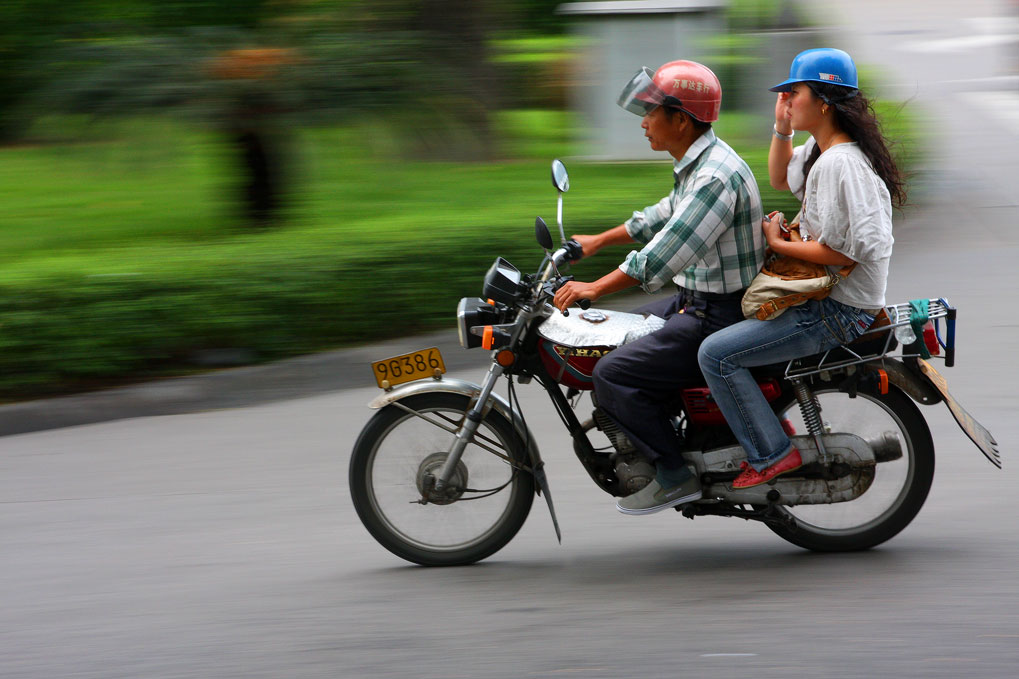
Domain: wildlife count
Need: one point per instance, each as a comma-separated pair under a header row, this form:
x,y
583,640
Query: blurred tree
x,y
539,16
32,30
24,38
419,68
183,13
213,75
457,33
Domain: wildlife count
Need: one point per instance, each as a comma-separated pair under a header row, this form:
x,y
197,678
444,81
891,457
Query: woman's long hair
x,y
855,116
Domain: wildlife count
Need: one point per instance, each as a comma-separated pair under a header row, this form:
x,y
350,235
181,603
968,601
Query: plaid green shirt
x,y
706,235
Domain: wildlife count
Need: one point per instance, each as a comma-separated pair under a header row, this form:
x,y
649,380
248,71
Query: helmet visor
x,y
641,95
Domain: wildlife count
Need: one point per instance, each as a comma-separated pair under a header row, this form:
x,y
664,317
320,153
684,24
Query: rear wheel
x,y
900,485
487,499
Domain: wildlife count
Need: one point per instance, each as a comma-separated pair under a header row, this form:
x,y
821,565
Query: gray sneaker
x,y
653,497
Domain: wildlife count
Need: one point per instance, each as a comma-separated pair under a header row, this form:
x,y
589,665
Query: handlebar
x,y
571,251
583,303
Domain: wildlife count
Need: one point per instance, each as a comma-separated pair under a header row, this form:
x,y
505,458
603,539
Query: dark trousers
x,y
634,382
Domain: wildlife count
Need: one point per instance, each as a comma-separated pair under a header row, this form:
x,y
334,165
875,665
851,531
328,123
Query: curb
x,y
228,388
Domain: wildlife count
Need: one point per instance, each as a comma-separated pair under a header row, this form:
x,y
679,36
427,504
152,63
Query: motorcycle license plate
x,y
416,365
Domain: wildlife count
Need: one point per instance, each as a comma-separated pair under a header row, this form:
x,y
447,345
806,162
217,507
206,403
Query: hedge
x,y
113,274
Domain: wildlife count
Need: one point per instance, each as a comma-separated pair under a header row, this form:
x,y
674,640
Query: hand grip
x,y
574,250
582,303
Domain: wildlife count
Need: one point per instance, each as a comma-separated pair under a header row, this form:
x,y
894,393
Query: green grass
x,y
536,48
122,259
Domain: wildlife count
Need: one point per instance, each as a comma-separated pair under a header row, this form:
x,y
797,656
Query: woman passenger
x,y
847,181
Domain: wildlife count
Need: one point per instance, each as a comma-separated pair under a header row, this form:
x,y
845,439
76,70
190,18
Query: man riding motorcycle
x,y
706,237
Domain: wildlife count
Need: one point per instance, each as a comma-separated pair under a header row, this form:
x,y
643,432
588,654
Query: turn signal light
x,y
882,381
488,337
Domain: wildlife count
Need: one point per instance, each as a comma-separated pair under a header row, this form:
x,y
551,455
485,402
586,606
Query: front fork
x,y
472,420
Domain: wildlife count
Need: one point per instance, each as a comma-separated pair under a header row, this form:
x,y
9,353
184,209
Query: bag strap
x,y
773,305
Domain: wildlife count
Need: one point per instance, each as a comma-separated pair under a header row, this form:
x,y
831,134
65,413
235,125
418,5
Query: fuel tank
x,y
570,346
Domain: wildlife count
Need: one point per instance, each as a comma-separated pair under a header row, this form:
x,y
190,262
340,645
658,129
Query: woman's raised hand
x,y
782,114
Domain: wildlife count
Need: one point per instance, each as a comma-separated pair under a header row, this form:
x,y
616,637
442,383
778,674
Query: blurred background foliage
x,y
192,183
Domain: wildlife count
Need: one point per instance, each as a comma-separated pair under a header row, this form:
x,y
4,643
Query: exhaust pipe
x,y
886,447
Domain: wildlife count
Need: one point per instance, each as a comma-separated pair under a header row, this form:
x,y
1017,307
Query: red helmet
x,y
686,85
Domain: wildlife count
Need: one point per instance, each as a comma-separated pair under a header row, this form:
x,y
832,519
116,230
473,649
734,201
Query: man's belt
x,y
695,295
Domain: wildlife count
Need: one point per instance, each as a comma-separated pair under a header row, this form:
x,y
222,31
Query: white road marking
x,y
968,42
994,24
1002,105
1000,30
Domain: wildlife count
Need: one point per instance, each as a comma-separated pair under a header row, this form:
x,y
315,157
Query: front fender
x,y
469,389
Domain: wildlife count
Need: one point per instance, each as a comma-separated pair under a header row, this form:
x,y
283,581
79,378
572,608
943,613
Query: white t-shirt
x,y
846,206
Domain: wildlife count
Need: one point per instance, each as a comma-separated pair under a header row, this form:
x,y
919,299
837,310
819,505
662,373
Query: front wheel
x,y
488,497
900,485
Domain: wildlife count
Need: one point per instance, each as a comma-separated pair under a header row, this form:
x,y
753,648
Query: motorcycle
x,y
446,471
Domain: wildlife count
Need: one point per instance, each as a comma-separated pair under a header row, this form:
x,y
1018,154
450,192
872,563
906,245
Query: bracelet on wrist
x,y
783,137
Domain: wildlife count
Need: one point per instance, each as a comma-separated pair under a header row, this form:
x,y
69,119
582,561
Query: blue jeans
x,y
726,356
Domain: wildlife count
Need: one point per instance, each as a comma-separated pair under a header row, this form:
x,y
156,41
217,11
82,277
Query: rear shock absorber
x,y
810,409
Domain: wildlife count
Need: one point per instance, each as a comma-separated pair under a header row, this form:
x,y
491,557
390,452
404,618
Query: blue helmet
x,y
821,65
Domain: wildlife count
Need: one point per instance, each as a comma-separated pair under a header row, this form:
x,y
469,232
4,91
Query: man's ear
x,y
682,121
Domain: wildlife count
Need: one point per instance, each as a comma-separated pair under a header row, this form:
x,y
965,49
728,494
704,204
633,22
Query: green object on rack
x,y
919,314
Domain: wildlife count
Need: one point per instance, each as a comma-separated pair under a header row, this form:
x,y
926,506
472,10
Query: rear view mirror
x,y
560,178
542,234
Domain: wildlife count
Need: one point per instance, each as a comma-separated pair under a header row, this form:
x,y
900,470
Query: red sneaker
x,y
750,477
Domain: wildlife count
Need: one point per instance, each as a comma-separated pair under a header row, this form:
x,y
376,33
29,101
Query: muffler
x,y
886,447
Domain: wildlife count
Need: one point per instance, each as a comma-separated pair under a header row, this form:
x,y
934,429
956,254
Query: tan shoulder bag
x,y
788,281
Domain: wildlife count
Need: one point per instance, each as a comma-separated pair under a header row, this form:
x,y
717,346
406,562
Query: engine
x,y
632,469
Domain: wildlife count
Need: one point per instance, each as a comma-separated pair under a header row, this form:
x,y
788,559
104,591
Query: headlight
x,y
472,312
502,282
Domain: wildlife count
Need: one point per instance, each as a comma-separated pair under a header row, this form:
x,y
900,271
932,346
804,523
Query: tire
x,y
388,462
899,488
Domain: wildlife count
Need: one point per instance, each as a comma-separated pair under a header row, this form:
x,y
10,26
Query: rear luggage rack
x,y
898,317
